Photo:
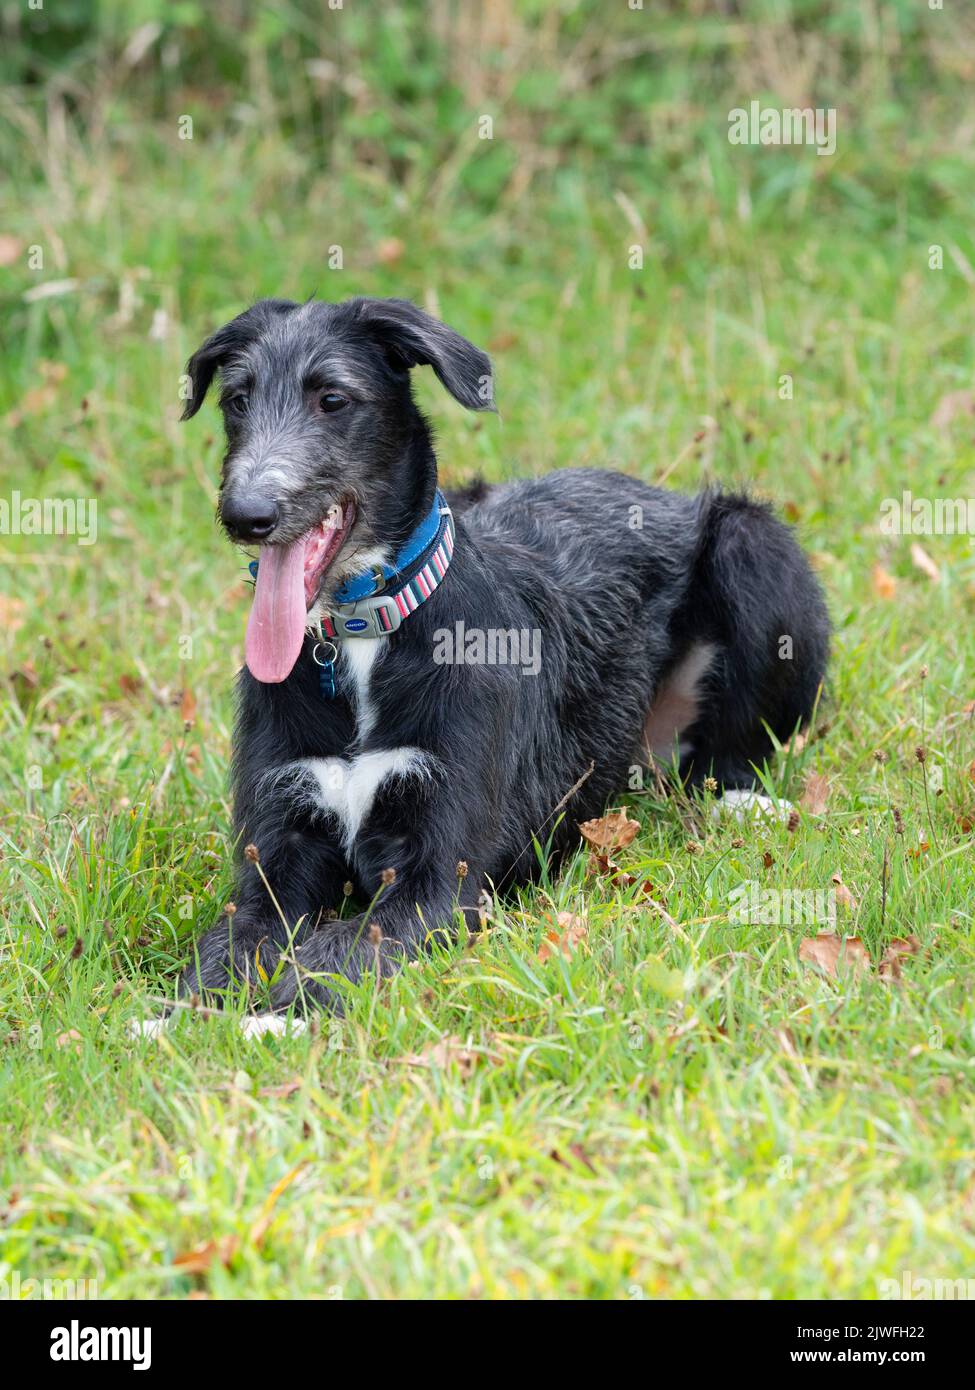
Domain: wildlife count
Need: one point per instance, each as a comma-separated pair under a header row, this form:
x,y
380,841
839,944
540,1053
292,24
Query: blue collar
x,y
365,585
374,604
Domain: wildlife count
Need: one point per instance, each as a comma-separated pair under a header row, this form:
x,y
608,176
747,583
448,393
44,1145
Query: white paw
x,y
251,1026
279,1025
749,805
146,1027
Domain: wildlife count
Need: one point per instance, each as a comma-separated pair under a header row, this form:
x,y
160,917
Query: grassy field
x,y
680,1107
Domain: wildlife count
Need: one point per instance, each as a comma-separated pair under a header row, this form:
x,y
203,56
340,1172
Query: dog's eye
x,y
237,405
332,401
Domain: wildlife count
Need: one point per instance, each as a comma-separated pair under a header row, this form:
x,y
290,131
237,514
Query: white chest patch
x,y
357,657
347,787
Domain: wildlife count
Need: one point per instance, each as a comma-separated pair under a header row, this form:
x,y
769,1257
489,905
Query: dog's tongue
x,y
276,627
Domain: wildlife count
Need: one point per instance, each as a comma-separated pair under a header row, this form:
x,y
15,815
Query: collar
x,y
375,604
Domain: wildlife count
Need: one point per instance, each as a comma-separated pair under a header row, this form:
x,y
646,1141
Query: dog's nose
x,y
250,518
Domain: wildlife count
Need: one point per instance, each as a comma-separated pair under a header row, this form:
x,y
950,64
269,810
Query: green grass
x,y
681,1108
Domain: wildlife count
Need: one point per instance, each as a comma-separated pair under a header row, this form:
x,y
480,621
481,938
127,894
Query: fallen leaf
x,y
448,1051
201,1257
578,1153
10,248
389,250
885,585
10,613
281,1092
950,405
897,950
565,937
612,831
187,707
832,953
922,561
815,794
843,894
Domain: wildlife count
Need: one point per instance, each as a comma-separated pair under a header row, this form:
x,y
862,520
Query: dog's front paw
x,y
746,805
231,956
336,949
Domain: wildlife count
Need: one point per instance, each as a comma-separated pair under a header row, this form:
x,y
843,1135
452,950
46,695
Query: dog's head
x,y
328,464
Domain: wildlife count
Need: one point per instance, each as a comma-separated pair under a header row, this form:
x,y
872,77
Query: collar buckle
x,y
376,616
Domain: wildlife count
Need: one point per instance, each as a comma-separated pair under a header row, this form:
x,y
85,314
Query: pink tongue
x,y
276,627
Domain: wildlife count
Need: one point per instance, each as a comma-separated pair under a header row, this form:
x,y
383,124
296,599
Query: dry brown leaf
x,y
129,685
834,954
843,895
187,707
578,1153
201,1257
569,931
10,248
10,612
950,405
281,1092
815,794
615,830
897,950
390,250
922,561
884,584
449,1050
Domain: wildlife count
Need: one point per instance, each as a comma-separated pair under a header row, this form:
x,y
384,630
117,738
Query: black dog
x,y
425,688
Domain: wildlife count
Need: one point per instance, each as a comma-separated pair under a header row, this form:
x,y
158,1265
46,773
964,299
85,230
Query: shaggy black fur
x,y
623,582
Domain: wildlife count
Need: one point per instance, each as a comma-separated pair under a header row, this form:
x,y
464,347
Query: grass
x,y
681,1107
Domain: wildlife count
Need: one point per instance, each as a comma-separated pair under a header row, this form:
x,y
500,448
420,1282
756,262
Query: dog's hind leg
x,y
754,599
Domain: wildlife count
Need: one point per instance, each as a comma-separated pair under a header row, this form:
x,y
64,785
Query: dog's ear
x,y
211,355
412,338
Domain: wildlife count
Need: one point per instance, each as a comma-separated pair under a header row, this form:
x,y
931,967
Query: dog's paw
x,y
312,974
750,805
231,956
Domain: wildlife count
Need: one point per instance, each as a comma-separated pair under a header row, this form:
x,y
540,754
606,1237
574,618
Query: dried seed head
x,y
710,784
375,934
348,889
251,854
60,931
898,821
462,869
924,673
693,847
920,754
737,842
77,948
230,909
792,824
388,876
116,989
881,755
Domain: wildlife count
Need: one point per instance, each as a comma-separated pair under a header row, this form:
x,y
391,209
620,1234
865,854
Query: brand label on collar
x,y
355,624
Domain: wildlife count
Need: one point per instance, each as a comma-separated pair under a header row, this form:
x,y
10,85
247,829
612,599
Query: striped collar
x,y
374,604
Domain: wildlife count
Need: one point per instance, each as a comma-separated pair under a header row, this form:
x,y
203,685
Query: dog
x,y
384,739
